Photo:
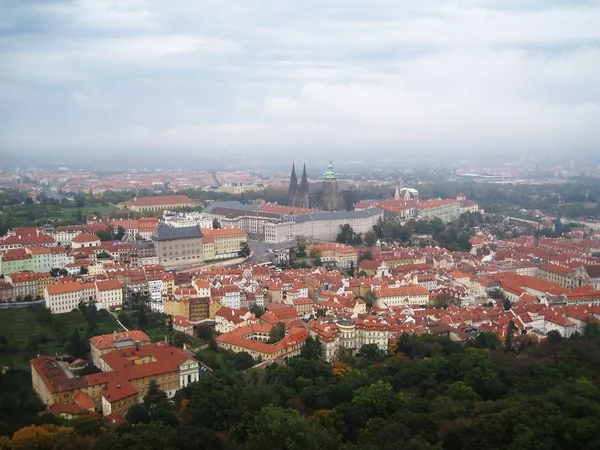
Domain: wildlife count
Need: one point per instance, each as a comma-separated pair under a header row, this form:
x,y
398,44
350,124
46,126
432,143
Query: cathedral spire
x,y
293,177
293,189
304,181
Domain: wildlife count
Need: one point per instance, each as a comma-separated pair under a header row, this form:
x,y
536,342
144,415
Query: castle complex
x,y
327,195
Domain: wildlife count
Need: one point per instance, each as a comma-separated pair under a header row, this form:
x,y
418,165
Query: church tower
x,y
332,200
293,189
304,197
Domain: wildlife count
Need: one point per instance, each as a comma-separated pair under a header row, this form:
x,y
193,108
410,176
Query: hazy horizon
x,y
104,82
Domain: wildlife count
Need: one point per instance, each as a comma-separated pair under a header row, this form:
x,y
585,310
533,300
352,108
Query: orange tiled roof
x,y
107,341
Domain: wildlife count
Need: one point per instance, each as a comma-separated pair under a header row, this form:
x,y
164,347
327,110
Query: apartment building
x,y
65,297
160,203
178,247
227,242
402,295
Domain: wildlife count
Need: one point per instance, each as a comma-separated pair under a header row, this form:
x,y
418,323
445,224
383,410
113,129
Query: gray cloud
x,y
183,76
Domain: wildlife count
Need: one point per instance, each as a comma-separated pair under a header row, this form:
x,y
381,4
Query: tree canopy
x,y
426,392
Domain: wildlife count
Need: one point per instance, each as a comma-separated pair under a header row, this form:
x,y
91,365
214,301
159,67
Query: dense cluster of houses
x,y
539,285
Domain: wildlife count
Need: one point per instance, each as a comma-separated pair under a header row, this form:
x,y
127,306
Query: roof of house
x,y
232,231
27,236
339,215
162,200
118,388
167,233
85,237
107,341
237,338
16,254
401,291
128,362
64,288
108,285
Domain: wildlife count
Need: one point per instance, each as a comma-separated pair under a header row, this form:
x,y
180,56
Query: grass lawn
x,y
48,333
28,214
216,360
156,333
195,342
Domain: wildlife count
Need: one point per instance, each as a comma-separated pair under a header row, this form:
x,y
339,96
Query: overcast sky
x,y
193,76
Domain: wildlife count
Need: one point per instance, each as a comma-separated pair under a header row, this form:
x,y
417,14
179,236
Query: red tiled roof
x,y
16,254
232,231
163,200
401,291
85,237
106,341
108,285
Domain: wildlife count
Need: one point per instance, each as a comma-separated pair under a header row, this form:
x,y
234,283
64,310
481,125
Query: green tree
x,y
370,238
496,294
348,236
103,255
77,345
311,348
138,413
155,396
486,339
376,399
315,253
242,360
277,332
244,249
366,255
592,330
371,352
257,310
511,329
105,235
370,298
461,391
120,234
279,428
445,299
216,224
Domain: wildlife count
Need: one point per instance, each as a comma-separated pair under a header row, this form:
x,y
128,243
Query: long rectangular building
x,y
65,297
277,224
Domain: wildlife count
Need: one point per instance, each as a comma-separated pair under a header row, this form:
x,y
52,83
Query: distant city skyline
x,y
106,82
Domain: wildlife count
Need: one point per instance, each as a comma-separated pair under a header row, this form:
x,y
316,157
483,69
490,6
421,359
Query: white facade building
x,y
187,219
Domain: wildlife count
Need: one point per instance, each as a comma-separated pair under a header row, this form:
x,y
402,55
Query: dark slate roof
x,y
339,215
167,233
233,204
142,244
235,213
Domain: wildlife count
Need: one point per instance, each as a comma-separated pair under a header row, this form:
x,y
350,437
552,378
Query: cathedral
x,y
328,194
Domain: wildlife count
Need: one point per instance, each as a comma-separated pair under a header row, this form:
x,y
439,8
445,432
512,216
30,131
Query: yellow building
x,y
160,203
177,308
253,338
227,241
